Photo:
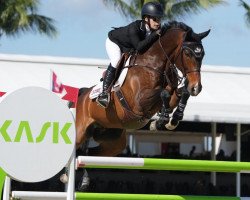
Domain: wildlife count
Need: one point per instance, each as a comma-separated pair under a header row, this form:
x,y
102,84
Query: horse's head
x,y
187,56
189,60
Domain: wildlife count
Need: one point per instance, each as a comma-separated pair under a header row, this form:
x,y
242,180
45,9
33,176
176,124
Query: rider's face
x,y
154,23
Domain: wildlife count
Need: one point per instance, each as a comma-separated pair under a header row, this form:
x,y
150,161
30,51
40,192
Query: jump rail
x,y
112,196
162,164
140,163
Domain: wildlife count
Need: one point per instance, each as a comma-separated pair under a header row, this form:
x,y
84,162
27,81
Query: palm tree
x,y
17,16
173,9
247,14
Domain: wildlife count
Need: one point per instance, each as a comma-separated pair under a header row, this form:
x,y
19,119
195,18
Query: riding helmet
x,y
153,9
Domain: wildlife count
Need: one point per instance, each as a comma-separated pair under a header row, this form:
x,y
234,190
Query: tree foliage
x,y
247,9
17,16
173,9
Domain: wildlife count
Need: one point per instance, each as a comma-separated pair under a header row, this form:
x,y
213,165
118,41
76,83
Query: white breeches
x,y
113,51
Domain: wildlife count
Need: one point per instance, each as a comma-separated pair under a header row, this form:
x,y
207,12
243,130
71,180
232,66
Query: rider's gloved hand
x,y
162,30
158,32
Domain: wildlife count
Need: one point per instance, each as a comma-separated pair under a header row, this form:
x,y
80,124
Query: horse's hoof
x,y
64,178
172,124
84,184
152,126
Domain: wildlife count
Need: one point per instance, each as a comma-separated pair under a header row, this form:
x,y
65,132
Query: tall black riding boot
x,y
104,98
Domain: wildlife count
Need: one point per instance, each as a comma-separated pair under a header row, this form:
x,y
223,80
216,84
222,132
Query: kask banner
x,y
37,134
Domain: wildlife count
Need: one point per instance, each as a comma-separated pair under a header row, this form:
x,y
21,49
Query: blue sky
x,y
83,26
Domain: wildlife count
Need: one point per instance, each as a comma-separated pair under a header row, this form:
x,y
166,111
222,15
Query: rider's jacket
x,y
132,37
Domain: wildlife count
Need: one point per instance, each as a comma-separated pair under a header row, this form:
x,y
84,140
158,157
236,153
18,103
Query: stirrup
x,y
103,100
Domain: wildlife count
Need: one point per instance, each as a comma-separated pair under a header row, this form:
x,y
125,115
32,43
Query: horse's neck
x,y
172,40
162,49
157,58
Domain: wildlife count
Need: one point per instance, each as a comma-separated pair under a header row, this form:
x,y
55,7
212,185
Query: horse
x,y
150,74
151,79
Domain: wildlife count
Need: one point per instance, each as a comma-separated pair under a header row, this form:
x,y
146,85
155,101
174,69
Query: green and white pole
x,y
162,164
112,196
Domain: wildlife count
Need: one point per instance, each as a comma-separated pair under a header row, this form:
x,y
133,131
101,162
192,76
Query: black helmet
x,y
153,9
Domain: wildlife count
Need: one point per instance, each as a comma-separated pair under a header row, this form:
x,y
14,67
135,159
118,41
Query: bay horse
x,y
139,98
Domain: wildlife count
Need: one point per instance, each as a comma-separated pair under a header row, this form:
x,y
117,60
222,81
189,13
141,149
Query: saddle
x,y
121,64
120,75
127,60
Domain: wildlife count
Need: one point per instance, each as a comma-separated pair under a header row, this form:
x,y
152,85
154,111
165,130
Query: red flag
x,y
65,92
57,86
71,95
2,93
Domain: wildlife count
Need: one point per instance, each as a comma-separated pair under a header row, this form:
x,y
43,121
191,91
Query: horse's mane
x,y
190,36
180,25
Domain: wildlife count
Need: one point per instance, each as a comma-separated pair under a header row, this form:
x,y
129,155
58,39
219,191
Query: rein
x,y
172,66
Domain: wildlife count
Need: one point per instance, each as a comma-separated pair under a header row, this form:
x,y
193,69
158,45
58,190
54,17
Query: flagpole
x,y
51,79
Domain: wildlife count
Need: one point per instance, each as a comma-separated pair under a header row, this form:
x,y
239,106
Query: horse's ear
x,y
204,34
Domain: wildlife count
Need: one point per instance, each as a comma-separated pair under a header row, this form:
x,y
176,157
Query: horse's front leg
x,y
179,112
164,113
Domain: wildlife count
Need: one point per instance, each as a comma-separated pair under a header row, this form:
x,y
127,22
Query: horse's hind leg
x,y
111,147
81,148
82,141
106,148
81,132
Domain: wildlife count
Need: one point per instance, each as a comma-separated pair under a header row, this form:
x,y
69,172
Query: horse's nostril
x,y
196,89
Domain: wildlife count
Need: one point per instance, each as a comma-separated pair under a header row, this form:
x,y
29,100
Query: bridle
x,y
198,53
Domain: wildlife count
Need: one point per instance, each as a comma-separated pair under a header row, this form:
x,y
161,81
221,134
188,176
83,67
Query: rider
x,y
137,36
